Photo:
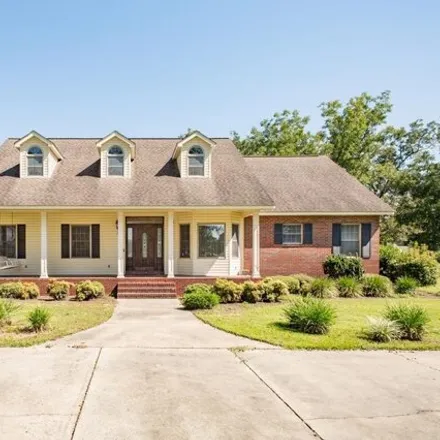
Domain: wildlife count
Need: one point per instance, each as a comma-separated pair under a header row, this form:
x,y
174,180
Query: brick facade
x,y
278,259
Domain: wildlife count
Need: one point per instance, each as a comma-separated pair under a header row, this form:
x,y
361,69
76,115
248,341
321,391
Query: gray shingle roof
x,y
313,184
154,181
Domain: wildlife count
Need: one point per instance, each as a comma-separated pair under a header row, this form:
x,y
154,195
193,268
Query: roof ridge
x,y
299,156
138,138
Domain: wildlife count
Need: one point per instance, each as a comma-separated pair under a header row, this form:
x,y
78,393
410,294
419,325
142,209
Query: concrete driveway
x,y
156,372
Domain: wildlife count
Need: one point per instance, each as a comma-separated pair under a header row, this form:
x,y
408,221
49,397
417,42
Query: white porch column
x,y
43,238
256,245
121,245
170,230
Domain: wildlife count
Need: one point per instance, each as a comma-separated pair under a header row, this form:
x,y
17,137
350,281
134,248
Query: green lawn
x,y
266,322
67,317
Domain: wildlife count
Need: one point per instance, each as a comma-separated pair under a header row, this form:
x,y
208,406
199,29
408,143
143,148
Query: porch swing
x,y
5,261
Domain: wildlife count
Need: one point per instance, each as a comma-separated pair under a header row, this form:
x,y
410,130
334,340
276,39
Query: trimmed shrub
x,y
272,289
305,282
39,318
32,291
251,292
198,288
87,290
58,290
382,330
411,319
12,290
228,291
291,282
7,309
406,285
200,300
337,266
417,262
349,287
310,315
377,286
323,288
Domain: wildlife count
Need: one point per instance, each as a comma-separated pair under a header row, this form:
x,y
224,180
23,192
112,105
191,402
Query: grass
x,y
267,323
67,317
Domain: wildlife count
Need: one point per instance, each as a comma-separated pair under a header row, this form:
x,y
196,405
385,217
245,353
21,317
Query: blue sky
x,y
155,68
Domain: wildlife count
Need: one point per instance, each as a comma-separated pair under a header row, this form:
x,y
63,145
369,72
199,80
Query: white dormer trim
x,y
117,137
51,154
40,140
181,153
127,146
189,138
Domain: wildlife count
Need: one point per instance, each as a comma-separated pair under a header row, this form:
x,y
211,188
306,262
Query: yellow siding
x,y
30,265
106,265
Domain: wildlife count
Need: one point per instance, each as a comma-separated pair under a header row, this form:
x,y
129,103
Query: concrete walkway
x,y
156,372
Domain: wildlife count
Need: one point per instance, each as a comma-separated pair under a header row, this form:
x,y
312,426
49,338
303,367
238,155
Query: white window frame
x,y
359,238
71,242
220,257
110,155
29,155
203,166
293,242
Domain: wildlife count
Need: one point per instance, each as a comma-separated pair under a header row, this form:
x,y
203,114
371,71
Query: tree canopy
x,y
398,164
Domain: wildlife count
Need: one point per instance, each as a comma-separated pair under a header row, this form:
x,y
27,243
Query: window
x,y
184,241
115,161
8,241
235,241
81,242
35,161
196,161
350,240
292,234
211,241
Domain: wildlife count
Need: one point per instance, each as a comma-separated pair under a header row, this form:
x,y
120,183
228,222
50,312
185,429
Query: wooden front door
x,y
144,249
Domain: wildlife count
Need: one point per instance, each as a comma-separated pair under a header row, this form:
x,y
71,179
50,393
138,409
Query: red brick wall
x,y
278,259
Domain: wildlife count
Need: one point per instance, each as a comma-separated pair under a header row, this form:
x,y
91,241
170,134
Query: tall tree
x,y
284,134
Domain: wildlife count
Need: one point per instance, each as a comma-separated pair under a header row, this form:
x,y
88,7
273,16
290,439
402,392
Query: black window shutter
x,y
336,238
366,240
278,233
96,242
65,241
308,233
21,241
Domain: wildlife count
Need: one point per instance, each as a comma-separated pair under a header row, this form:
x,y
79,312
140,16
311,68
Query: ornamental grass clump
x,y
382,330
323,288
406,285
349,287
377,286
411,319
310,315
292,283
39,318
7,309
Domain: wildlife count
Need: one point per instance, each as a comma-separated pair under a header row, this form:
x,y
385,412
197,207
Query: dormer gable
x,y
38,155
117,153
194,155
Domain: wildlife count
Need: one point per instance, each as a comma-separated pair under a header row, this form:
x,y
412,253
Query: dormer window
x,y
196,161
35,161
115,161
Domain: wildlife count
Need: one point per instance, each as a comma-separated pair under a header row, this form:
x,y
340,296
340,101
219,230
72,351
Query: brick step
x,y
152,283
146,295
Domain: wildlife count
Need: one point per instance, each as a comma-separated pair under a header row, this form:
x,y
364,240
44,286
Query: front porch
x,y
105,243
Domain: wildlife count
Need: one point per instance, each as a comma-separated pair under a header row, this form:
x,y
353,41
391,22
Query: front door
x,y
144,249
